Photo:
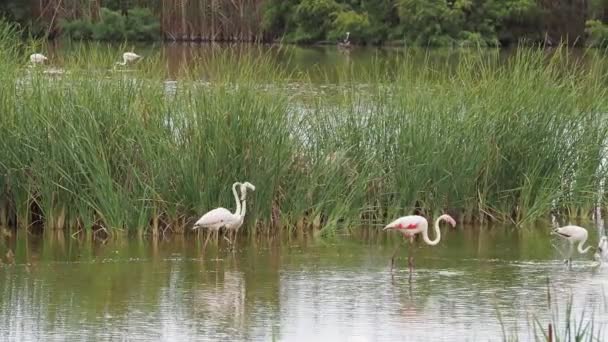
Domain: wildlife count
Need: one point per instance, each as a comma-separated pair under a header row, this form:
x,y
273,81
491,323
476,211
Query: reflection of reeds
x,y
485,139
560,327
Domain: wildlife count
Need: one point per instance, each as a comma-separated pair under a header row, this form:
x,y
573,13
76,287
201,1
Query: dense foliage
x,y
413,22
139,24
598,33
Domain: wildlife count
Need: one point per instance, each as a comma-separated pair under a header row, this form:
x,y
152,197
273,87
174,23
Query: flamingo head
x,y
449,219
244,187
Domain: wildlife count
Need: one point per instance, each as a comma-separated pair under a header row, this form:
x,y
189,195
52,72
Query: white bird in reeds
x,y
128,57
235,228
38,58
601,254
411,225
346,42
573,234
222,217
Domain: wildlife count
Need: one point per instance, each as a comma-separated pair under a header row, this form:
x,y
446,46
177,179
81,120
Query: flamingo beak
x,y
452,222
388,227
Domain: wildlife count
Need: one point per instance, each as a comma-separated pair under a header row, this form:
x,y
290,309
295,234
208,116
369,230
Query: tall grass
x,y
483,139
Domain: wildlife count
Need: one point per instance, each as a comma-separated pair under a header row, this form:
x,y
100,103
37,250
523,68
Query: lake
x,y
319,64
476,282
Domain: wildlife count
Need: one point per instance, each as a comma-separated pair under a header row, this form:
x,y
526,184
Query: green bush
x,y
277,15
110,27
597,33
465,22
350,21
79,29
140,24
429,22
475,39
314,18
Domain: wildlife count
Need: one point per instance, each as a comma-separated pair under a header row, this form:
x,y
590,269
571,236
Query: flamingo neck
x,y
244,199
580,247
425,234
237,212
243,209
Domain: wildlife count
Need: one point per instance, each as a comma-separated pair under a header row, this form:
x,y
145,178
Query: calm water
x,y
476,282
291,289
318,63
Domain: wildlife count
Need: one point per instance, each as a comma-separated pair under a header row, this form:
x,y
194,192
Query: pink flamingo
x,y
413,224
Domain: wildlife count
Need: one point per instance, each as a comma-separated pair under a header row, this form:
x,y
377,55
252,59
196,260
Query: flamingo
x,y
128,57
413,224
221,217
235,228
574,234
345,43
37,58
601,255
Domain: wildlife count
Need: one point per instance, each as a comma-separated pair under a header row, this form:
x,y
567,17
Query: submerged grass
x,y
561,325
120,148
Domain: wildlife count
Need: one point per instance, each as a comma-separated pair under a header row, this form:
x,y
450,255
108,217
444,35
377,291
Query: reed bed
x,y
120,149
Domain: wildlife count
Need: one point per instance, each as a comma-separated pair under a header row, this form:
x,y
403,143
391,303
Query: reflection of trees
x,y
114,292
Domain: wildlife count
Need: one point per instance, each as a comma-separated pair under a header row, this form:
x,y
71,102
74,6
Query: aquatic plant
x,y
119,149
560,326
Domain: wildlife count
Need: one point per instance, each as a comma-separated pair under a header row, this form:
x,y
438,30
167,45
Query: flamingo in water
x,y
235,228
346,42
37,58
574,234
128,57
222,217
601,254
413,224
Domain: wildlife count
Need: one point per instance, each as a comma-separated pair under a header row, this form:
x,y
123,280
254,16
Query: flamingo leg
x,y
235,236
570,252
207,239
410,258
226,237
393,256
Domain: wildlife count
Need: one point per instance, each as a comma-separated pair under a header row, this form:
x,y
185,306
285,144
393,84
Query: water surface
x,y
470,286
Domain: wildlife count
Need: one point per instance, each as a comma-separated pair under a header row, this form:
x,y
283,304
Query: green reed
x,y
562,325
483,138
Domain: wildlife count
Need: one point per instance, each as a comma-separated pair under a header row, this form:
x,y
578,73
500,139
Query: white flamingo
x,y
346,42
411,225
574,234
128,57
235,228
221,217
601,255
38,58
